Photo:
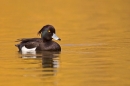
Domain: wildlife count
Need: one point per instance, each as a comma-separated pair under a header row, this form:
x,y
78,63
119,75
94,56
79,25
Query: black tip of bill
x,y
59,39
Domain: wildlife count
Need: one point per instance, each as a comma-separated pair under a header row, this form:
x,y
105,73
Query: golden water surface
x,y
95,43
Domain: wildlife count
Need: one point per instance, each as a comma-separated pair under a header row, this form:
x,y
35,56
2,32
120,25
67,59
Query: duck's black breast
x,y
48,46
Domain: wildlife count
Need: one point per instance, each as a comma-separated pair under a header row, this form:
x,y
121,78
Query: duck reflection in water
x,y
49,61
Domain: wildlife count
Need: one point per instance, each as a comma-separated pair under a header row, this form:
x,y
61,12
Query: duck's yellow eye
x,y
49,31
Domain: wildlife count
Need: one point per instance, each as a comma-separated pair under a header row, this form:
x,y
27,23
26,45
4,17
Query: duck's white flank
x,y
28,50
24,49
28,53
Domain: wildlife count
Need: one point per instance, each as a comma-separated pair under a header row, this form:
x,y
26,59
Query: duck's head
x,y
48,33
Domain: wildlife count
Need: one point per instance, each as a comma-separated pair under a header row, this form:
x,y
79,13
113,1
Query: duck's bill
x,y
54,36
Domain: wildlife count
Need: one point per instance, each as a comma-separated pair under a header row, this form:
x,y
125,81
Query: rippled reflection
x,y
48,60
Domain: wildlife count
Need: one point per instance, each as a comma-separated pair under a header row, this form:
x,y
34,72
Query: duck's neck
x,y
45,40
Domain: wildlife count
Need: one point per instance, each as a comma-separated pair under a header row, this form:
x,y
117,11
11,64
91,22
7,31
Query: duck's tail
x,y
18,45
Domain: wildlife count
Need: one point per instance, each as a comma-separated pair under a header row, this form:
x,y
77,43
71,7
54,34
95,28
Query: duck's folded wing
x,y
31,44
28,43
